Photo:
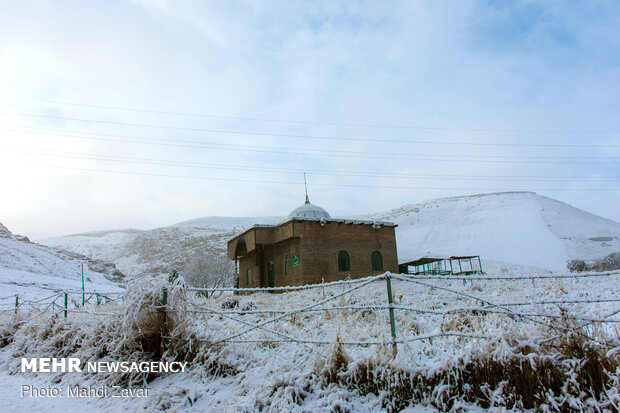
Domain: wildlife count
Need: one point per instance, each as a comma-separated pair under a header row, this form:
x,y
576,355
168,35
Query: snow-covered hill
x,y
508,230
162,249
35,271
511,227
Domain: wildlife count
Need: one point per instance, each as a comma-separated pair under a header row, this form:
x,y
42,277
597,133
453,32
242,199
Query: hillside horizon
x,y
504,228
269,218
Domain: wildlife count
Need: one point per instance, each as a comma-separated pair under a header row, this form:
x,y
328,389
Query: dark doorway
x,y
270,274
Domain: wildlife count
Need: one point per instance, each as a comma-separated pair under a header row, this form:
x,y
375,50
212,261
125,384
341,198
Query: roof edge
x,y
377,224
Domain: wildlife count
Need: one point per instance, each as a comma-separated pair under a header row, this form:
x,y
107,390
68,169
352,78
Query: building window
x,y
249,276
287,265
344,263
377,261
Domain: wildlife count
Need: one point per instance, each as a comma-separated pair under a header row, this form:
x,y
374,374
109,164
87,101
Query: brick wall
x,y
318,246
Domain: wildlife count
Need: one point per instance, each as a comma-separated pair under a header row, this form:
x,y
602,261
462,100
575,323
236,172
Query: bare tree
x,y
209,270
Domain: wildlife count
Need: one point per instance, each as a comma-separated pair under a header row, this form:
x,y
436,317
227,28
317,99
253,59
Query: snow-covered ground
x,y
35,271
515,233
260,374
508,230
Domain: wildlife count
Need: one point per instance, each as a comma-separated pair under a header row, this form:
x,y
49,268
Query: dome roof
x,y
309,211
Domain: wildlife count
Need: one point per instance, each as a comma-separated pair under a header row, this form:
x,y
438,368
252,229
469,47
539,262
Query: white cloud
x,y
477,67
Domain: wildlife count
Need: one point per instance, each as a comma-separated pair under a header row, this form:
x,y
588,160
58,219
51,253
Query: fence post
x,y
83,285
66,302
16,303
164,302
388,281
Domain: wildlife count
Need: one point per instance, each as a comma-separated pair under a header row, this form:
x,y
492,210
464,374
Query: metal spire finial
x,y
306,186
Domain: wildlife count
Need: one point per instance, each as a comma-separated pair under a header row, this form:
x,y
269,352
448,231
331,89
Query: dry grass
x,y
566,372
8,328
572,375
141,330
458,322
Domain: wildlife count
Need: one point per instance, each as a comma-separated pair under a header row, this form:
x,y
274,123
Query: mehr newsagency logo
x,y
75,365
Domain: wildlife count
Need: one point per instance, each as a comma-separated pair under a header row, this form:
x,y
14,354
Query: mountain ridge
x,y
508,227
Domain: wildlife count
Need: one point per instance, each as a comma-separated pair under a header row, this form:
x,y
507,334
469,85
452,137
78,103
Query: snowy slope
x,y
509,230
161,249
35,271
515,227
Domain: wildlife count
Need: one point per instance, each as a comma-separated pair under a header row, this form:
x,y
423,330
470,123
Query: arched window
x,y
287,265
344,263
249,276
377,261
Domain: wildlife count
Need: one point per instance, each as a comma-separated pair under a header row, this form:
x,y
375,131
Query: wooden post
x,y
16,303
164,302
388,282
66,304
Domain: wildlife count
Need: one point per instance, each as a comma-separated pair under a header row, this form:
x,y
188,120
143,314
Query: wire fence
x,y
390,321
537,311
65,302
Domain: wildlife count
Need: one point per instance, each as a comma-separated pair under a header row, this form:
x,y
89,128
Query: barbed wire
x,y
274,319
502,277
356,343
289,288
236,315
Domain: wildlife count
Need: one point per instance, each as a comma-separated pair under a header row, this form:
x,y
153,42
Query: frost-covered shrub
x,y
141,329
230,303
577,266
8,330
209,270
608,263
249,306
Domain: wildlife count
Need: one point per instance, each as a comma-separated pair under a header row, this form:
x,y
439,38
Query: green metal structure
x,y
455,265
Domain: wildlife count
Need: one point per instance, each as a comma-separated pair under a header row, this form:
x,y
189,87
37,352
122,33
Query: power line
x,y
300,136
188,164
297,183
342,154
365,125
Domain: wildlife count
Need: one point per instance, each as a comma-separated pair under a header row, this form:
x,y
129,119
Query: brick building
x,y
311,247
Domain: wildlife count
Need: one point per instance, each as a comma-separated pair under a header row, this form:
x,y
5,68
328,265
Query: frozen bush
x,y
209,270
142,329
608,263
230,303
577,266
249,306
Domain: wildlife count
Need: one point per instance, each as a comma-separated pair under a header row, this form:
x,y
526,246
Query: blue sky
x,y
382,103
